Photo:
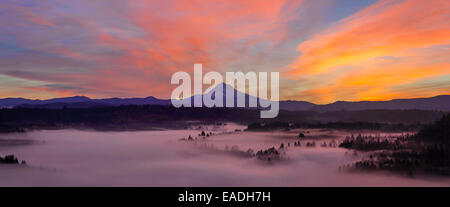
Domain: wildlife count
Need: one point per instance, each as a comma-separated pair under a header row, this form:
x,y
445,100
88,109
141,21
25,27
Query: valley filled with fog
x,y
225,156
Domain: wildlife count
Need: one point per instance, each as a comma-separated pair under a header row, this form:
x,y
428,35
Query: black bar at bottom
x,y
218,196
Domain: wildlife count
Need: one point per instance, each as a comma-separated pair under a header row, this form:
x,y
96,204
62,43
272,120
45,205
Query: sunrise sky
x,y
325,50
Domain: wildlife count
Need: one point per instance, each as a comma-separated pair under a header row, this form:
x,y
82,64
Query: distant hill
x,y
61,105
438,103
296,105
79,102
13,102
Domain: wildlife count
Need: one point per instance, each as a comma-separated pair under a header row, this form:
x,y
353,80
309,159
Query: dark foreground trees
x,y
428,151
10,159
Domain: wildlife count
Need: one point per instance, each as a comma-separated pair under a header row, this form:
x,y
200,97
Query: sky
x,y
325,50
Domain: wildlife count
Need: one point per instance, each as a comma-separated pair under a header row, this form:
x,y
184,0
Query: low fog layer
x,y
160,158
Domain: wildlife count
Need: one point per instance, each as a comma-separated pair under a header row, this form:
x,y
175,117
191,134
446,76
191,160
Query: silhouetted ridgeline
x,y
439,103
136,117
383,116
270,126
116,118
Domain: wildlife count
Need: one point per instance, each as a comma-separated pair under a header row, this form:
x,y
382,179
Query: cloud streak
x,y
116,48
327,51
386,45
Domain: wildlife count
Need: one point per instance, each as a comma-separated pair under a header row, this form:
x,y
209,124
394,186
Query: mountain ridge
x,y
439,103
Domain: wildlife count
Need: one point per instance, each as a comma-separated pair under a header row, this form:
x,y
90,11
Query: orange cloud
x,y
173,36
181,33
387,44
119,48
